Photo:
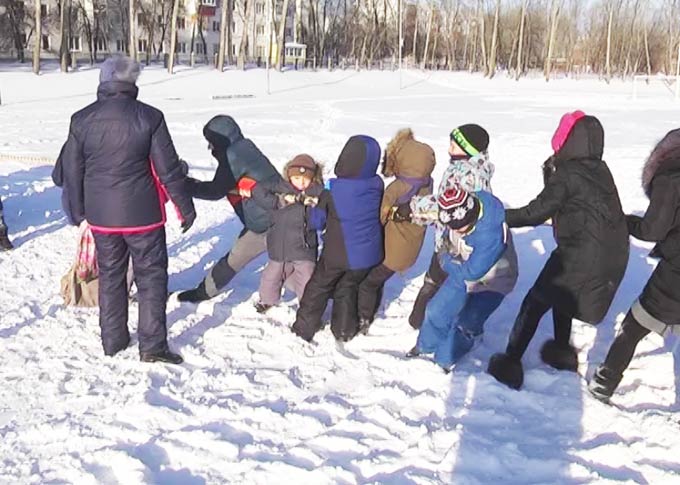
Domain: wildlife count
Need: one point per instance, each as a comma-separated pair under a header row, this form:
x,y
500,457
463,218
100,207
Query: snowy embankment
x,y
254,404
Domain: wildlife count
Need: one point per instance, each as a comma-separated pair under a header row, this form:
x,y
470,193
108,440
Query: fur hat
x,y
471,138
119,68
458,208
304,165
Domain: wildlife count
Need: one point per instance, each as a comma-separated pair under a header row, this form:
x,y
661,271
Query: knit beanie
x,y
458,208
303,165
119,68
567,123
473,139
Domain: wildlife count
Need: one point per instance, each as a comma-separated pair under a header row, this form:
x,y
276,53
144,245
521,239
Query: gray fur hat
x,y
119,68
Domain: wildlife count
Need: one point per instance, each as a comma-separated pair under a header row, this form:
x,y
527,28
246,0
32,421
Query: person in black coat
x,y
241,165
658,308
581,277
117,168
292,243
353,241
5,243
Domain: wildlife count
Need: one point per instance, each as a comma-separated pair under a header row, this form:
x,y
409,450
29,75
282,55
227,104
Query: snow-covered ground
x,y
253,403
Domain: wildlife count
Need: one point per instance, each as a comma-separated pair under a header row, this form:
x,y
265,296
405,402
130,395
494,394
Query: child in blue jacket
x,y
474,223
353,242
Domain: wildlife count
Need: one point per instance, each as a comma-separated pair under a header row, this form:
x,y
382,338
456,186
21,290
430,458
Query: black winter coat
x,y
661,224
583,274
117,152
237,157
289,238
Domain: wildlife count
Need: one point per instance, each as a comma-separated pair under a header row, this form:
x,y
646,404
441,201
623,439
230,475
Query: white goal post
x,y
672,83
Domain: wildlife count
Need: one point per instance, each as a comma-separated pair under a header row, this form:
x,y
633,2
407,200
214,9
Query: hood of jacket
x,y
407,157
359,158
222,131
585,141
664,158
116,89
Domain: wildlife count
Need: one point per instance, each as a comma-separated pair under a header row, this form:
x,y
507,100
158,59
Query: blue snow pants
x,y
453,319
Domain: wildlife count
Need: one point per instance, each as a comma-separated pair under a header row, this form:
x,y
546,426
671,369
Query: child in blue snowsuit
x,y
454,317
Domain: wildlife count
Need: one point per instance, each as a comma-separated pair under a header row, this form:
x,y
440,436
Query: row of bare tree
x,y
607,37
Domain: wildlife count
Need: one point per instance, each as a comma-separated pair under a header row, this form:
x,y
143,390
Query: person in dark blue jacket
x,y
353,241
454,317
117,168
5,244
241,165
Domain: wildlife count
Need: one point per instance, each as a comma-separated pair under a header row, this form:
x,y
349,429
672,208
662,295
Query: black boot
x,y
603,383
5,243
559,357
262,307
414,352
162,356
196,295
364,326
506,369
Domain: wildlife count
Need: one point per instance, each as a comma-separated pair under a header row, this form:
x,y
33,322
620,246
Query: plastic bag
x,y
86,267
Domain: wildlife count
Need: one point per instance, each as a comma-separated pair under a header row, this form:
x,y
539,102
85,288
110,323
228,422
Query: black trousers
x,y
371,291
532,310
623,348
326,282
434,278
150,264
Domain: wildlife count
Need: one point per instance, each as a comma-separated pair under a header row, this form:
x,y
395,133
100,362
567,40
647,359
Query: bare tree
x,y
38,37
520,41
494,42
281,38
132,49
554,17
173,36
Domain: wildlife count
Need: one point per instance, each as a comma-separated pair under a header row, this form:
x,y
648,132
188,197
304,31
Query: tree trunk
x,y
223,35
415,36
649,64
427,37
482,35
230,40
173,36
608,69
494,42
38,38
133,47
281,39
241,61
63,50
551,42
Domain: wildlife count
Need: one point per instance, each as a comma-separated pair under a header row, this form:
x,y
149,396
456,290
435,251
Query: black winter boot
x,y
196,295
164,356
262,307
603,383
506,369
414,352
364,326
5,243
559,357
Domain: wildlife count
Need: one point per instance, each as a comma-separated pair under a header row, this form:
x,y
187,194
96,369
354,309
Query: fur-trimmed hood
x,y
407,157
318,174
664,158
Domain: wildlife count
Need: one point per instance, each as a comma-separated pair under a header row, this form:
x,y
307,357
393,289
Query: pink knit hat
x,y
564,128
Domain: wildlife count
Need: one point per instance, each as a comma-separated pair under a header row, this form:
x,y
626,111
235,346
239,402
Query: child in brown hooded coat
x,y
412,163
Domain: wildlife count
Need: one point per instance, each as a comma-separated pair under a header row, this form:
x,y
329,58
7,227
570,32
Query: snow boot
x,y
5,243
301,334
603,383
196,295
163,356
364,326
506,369
559,357
414,352
262,307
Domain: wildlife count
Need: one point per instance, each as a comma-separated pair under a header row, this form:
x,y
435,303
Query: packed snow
x,y
255,404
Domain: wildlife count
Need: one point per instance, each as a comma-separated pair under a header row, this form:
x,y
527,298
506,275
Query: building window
x,y
260,51
216,26
210,3
181,23
142,45
260,30
43,10
181,47
233,49
46,42
141,19
74,44
199,48
100,44
259,8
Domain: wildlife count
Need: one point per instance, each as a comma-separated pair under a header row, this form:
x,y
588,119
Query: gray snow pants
x,y
294,275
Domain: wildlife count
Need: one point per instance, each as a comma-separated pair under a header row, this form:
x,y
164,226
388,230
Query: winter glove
x,y
401,213
188,222
184,166
308,200
284,200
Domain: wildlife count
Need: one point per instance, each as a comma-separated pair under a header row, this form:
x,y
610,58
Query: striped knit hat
x,y
458,208
473,139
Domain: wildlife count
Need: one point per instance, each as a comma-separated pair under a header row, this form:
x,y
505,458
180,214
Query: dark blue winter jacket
x,y
237,158
485,243
350,208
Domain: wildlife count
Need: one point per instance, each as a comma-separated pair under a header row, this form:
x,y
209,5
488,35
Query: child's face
x,y
455,150
300,182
